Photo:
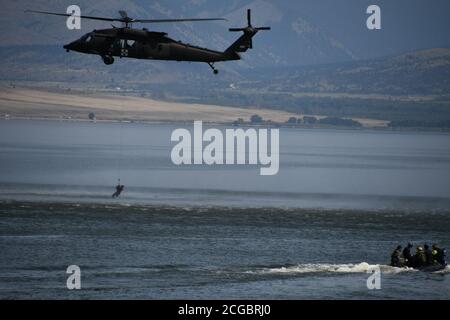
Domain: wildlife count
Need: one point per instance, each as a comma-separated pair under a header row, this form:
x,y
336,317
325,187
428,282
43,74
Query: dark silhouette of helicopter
x,y
126,42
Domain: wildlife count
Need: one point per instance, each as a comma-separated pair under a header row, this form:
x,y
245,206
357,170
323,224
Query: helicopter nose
x,y
67,47
70,46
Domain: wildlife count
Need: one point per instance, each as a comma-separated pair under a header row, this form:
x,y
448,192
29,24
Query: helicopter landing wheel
x,y
211,65
108,60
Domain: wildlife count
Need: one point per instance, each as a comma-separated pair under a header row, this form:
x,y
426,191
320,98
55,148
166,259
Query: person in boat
x,y
397,258
119,189
438,255
407,255
419,259
428,255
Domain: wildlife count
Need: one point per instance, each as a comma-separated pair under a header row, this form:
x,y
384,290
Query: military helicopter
x,y
127,42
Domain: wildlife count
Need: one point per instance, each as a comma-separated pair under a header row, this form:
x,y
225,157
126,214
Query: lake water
x,y
343,199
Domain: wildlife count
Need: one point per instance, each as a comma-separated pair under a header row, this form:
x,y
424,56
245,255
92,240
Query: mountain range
x,y
319,57
303,32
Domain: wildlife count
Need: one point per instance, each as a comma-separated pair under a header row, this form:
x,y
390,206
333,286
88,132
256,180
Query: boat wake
x,y
339,268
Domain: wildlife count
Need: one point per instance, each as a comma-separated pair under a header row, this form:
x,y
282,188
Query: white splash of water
x,y
333,268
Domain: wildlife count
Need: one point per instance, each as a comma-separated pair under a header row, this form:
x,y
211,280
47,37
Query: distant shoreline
x,y
17,103
31,103
284,126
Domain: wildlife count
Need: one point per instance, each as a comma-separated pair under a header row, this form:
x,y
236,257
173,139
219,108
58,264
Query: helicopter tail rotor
x,y
249,25
245,42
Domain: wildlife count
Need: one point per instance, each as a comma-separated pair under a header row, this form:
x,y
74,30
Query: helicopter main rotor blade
x,y
177,20
70,15
126,19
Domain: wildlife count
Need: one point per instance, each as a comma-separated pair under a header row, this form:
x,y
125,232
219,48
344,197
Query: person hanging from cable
x,y
119,189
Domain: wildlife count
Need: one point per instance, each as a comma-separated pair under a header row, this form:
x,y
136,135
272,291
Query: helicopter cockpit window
x,y
86,38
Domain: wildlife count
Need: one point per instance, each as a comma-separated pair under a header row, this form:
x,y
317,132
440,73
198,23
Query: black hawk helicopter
x,y
126,42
